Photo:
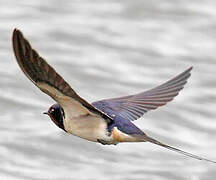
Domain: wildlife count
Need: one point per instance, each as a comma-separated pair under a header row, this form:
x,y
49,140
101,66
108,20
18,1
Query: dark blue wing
x,y
134,106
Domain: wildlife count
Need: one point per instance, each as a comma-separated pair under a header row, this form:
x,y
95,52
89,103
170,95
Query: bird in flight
x,y
106,121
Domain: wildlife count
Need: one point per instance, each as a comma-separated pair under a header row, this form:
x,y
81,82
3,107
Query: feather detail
x,y
48,80
134,106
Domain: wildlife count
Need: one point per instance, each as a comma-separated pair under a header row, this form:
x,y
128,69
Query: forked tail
x,y
149,139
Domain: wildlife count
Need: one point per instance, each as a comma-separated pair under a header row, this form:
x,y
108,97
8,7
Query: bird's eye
x,y
52,110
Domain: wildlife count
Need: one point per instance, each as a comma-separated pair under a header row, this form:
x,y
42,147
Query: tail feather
x,y
151,140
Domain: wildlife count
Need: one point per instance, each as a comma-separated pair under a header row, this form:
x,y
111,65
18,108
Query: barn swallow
x,y
106,121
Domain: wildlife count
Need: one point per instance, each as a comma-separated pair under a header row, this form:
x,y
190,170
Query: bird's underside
x,y
106,121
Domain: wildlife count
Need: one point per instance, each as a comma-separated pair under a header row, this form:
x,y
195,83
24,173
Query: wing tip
x,y
16,30
16,33
15,42
189,71
17,37
190,68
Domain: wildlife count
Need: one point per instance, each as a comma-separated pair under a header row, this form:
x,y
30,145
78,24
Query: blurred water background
x,y
110,48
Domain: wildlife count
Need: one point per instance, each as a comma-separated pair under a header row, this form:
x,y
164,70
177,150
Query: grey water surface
x,y
110,48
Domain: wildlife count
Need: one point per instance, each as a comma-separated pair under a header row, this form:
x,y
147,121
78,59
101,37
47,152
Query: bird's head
x,y
57,115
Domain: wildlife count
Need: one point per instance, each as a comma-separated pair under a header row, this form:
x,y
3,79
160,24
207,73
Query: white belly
x,y
88,127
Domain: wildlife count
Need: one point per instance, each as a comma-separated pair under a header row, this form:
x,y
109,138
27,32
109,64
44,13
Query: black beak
x,y
46,113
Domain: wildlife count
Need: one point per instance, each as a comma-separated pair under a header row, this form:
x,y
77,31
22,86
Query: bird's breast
x,y
88,127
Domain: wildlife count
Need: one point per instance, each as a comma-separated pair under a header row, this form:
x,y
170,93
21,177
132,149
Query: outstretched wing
x,y
134,106
48,80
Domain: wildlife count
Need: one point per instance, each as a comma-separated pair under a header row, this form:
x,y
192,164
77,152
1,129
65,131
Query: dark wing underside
x,y
48,80
134,106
